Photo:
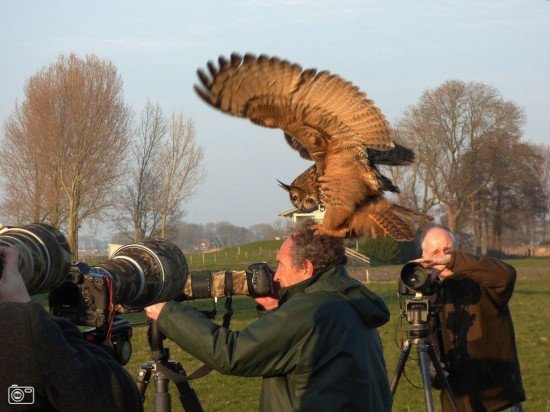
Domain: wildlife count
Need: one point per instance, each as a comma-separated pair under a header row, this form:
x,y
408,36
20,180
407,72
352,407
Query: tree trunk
x,y
497,224
452,218
72,228
164,224
476,226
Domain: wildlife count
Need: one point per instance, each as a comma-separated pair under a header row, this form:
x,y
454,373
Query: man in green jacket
x,y
478,333
316,347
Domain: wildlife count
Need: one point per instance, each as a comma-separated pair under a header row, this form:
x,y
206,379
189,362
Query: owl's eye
x,y
294,197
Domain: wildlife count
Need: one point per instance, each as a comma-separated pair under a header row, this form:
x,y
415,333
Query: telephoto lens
x,y
44,255
145,273
255,281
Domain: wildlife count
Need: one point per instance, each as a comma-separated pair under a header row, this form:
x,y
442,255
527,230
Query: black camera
x,y
137,275
259,278
418,294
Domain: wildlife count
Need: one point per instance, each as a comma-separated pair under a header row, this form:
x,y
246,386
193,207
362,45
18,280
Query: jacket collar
x,y
303,286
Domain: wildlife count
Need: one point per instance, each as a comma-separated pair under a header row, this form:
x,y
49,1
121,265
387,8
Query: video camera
x,y
415,290
137,275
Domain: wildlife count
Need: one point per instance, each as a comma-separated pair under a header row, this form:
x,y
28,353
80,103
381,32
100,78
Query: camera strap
x,y
177,378
228,291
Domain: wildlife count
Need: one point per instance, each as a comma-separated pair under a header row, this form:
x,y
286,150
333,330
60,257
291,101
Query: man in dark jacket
x,y
478,334
45,362
316,347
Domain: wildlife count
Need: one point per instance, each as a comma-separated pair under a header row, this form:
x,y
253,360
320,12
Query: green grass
x,y
538,262
228,393
235,258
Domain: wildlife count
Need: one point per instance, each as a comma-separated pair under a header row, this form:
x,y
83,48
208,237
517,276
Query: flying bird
x,y
328,120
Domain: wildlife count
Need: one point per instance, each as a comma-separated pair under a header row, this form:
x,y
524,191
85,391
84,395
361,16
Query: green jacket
x,y
318,351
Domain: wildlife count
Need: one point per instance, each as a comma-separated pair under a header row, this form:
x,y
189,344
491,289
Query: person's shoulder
x,y
319,302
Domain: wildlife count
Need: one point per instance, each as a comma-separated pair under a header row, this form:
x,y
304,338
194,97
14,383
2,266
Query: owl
x,y
304,190
327,120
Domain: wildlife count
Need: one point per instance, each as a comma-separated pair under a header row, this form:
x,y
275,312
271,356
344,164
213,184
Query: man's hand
x,y
438,264
267,302
153,311
12,286
270,302
429,263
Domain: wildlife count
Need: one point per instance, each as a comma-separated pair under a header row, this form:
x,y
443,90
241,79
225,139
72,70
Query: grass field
x,y
228,393
235,257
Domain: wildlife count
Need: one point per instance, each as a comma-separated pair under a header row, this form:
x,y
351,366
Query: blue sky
x,y
393,50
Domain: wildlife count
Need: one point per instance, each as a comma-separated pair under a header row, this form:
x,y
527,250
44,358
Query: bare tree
x,y
136,207
513,198
545,181
413,192
31,192
449,121
75,117
163,172
180,170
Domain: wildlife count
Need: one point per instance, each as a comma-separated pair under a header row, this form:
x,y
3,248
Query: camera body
x,y
85,298
418,296
259,278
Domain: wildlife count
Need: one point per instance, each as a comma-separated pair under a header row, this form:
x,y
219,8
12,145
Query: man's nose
x,y
276,276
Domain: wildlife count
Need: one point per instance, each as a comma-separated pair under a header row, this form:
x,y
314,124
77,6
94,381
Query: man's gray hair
x,y
322,251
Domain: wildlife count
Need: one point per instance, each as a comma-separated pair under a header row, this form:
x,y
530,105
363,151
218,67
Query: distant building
x,y
112,248
296,214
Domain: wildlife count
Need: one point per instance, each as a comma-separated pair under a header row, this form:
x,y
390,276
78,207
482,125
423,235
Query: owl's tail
x,y
397,156
382,218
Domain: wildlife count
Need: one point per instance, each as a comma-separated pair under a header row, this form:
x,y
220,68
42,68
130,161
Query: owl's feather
x,y
326,119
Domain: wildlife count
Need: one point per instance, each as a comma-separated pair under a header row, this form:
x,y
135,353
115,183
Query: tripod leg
x,y
440,374
424,368
161,399
400,366
188,397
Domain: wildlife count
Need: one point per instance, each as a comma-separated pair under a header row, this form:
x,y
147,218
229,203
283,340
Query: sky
x,y
392,50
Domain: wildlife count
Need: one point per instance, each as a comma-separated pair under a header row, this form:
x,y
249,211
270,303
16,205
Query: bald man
x,y
478,333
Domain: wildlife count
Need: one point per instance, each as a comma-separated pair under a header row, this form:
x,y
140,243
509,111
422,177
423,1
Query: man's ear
x,y
309,267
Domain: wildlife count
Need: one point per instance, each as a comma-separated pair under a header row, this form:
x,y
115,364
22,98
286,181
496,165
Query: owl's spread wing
x,y
316,110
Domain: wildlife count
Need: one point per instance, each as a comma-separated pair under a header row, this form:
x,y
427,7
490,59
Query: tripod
x,y
163,369
417,311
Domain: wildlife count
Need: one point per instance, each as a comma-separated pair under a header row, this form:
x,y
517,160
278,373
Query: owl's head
x,y
300,198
